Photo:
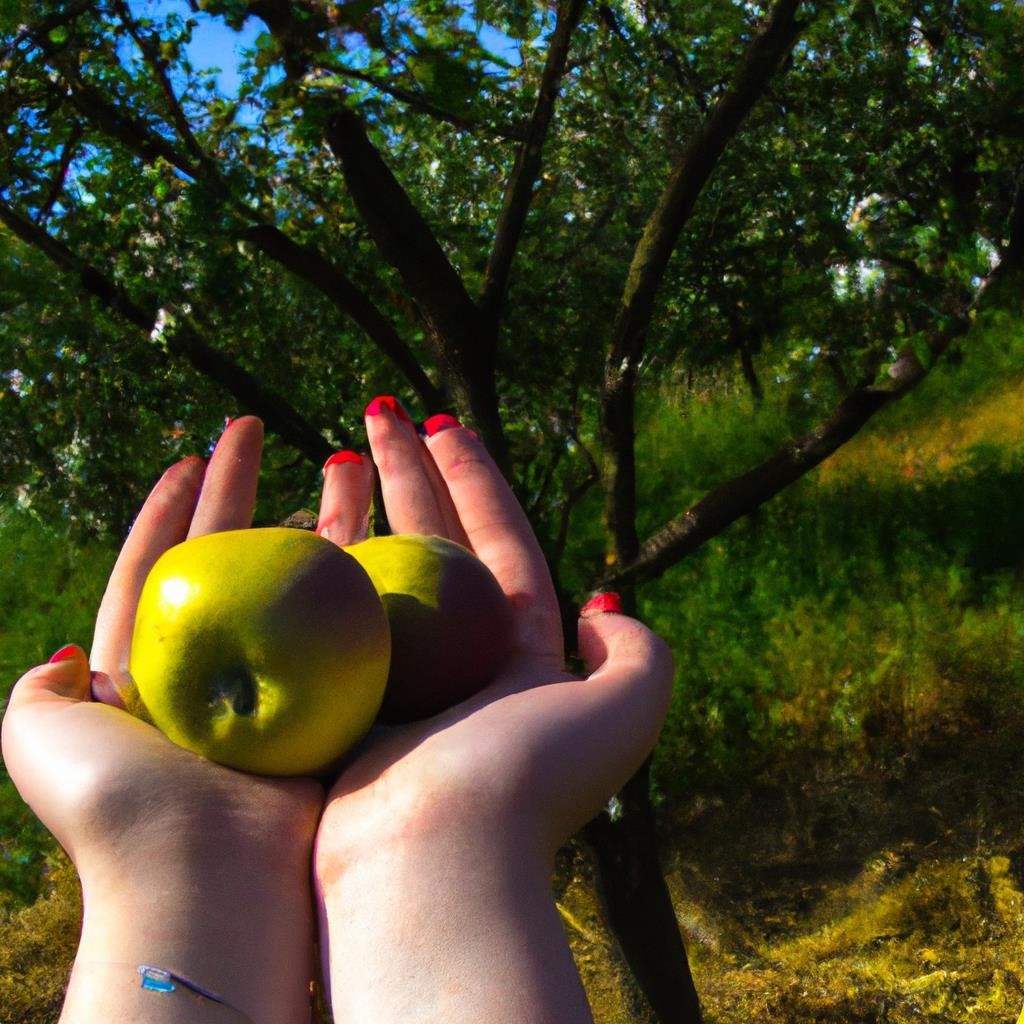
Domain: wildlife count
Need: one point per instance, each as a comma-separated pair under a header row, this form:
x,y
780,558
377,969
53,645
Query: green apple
x,y
265,649
451,624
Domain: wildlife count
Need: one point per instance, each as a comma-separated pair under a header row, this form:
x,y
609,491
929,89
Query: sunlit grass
x,y
939,444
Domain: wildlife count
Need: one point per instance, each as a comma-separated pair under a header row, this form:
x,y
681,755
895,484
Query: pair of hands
x,y
530,759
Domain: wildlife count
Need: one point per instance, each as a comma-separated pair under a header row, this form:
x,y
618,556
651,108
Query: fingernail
x,y
65,653
227,422
382,402
441,421
343,456
609,601
104,690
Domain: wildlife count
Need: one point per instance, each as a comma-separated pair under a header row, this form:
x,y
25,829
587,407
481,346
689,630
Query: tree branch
x,y
159,68
406,241
1013,252
685,75
519,189
516,133
303,261
309,265
651,258
184,340
691,172
42,28
723,505
126,127
57,186
579,491
403,237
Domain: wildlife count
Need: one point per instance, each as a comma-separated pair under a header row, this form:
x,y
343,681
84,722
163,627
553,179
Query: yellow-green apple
x,y
451,624
265,649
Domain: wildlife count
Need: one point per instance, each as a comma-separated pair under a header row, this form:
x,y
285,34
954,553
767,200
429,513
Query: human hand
x,y
184,864
435,846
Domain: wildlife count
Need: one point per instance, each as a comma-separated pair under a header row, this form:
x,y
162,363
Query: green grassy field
x,y
842,777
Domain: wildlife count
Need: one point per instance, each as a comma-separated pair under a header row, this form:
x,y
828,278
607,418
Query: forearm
x,y
442,928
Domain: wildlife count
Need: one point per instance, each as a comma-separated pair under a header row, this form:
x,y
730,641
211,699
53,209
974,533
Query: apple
x,y
451,624
264,649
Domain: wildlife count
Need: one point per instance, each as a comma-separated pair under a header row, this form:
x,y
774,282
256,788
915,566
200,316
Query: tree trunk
x,y
637,903
750,373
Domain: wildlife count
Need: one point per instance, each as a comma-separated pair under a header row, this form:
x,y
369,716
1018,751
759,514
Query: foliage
x,y
855,210
49,593
878,606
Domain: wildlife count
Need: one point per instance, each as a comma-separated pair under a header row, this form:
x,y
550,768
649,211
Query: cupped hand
x,y
538,751
115,792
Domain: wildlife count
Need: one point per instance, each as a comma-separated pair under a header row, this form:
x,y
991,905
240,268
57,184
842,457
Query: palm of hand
x,y
537,748
112,789
103,781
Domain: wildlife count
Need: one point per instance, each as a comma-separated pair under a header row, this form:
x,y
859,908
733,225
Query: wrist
x,y
217,893
453,908
237,930
435,815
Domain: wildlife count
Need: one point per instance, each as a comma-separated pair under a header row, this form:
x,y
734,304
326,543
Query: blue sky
x,y
214,45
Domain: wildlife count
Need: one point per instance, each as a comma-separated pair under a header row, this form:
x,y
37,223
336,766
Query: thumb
x,y
630,676
592,734
615,647
65,675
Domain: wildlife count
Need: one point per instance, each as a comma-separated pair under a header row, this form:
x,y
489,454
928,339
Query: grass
x,y
842,777
890,896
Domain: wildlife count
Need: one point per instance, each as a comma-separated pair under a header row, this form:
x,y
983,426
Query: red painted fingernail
x,y
382,402
606,602
441,421
65,653
343,456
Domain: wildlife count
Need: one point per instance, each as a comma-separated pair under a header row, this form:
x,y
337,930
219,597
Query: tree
x,y
537,215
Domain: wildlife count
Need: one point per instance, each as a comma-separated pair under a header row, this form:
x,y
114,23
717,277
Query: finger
x,y
105,691
228,497
499,533
345,499
162,523
26,753
613,645
65,676
415,496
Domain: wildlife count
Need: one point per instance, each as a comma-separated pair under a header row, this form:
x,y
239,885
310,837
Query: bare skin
x,y
432,857
184,864
434,853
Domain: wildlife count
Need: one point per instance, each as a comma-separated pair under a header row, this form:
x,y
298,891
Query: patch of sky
x,y
214,46
220,51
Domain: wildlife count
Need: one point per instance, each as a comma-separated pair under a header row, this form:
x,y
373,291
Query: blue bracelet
x,y
159,979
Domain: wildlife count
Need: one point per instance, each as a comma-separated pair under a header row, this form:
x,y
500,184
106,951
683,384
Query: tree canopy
x,y
531,214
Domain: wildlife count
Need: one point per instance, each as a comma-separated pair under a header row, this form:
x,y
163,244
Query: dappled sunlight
x,y
936,445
